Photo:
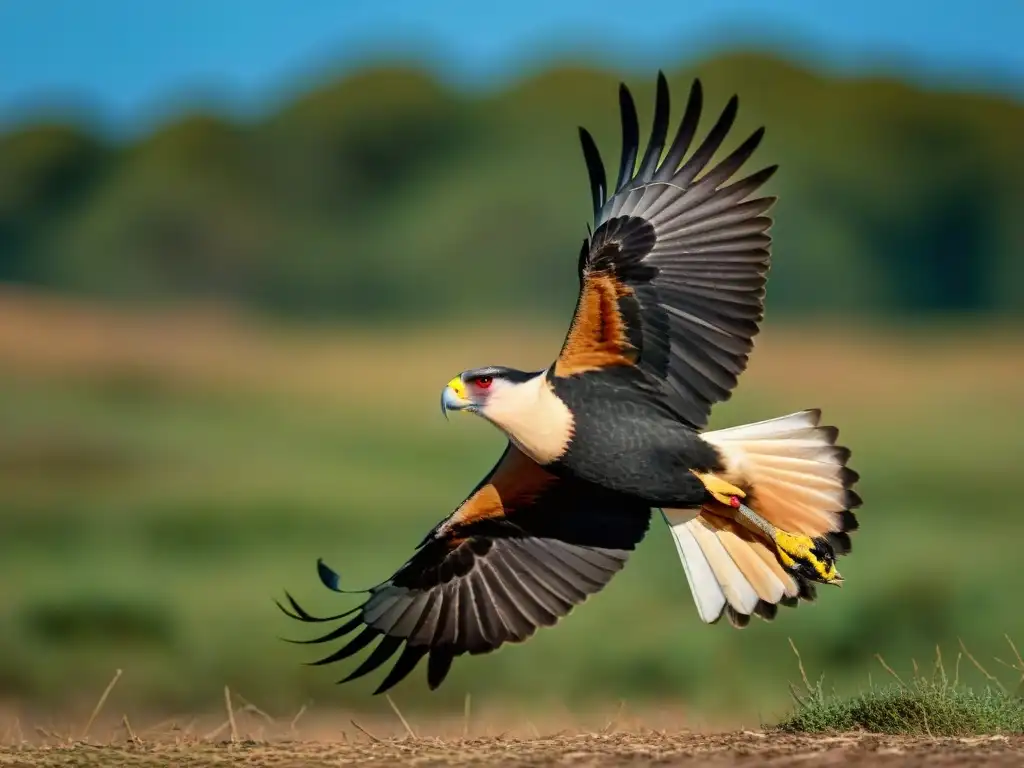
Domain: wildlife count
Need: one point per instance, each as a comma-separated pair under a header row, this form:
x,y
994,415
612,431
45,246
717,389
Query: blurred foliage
x,y
386,195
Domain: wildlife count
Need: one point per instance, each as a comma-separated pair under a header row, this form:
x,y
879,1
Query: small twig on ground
x,y
252,708
231,715
615,719
800,665
408,728
890,670
170,722
295,720
924,714
1018,667
366,732
465,717
1020,662
216,731
988,675
100,703
185,734
128,729
248,706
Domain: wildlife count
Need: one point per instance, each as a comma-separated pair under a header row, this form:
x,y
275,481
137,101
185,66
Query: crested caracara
x,y
671,294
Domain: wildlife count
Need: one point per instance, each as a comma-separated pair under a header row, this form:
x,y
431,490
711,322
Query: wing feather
x,y
630,136
672,280
518,554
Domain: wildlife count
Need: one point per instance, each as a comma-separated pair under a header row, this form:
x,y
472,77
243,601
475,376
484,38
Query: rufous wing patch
x,y
515,482
599,336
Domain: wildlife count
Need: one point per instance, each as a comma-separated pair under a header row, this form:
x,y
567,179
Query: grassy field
x,y
165,476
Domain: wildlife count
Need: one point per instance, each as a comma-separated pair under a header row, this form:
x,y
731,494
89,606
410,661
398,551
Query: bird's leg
x,y
811,558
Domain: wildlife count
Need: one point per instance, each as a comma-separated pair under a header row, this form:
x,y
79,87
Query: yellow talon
x,y
721,490
810,558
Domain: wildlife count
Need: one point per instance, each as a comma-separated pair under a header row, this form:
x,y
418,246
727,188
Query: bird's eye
x,y
483,381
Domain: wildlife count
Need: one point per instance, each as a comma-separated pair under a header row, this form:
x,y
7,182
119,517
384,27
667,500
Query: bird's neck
x,y
535,419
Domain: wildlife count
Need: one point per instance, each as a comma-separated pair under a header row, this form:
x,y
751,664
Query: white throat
x,y
535,419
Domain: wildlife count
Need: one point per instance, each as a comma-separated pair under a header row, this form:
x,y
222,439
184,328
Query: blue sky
x,y
123,65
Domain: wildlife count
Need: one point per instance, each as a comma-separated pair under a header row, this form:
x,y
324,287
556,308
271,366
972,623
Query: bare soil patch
x,y
619,748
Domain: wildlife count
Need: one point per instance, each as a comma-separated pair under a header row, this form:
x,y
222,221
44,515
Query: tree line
x,y
386,194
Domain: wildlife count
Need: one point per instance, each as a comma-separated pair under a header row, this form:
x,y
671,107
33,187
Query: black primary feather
x,y
385,650
630,136
595,170
696,289
494,581
659,131
684,134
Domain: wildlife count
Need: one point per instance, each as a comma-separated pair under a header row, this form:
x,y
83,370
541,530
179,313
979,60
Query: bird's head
x,y
479,389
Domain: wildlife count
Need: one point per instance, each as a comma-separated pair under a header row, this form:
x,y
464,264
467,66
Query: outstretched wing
x,y
673,279
518,554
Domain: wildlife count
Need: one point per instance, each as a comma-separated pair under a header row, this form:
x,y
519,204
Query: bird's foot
x,y
807,557
727,493
811,558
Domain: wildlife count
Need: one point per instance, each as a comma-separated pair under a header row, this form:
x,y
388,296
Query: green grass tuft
x,y
927,705
923,708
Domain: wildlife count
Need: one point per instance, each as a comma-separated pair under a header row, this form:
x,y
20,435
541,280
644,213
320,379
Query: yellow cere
x,y
458,387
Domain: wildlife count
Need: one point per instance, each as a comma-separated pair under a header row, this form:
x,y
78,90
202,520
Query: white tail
x,y
795,476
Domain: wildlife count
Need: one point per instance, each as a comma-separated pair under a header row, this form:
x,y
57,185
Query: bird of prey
x,y
672,284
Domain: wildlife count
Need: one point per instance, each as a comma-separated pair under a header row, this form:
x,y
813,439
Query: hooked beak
x,y
453,398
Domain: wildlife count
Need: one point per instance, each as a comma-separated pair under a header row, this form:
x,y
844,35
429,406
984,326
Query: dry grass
x,y
248,735
251,737
214,348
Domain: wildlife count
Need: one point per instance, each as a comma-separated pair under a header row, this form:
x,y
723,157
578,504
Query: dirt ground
x,y
621,748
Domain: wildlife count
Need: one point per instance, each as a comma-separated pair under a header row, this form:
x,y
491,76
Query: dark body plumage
x,y
671,295
630,443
